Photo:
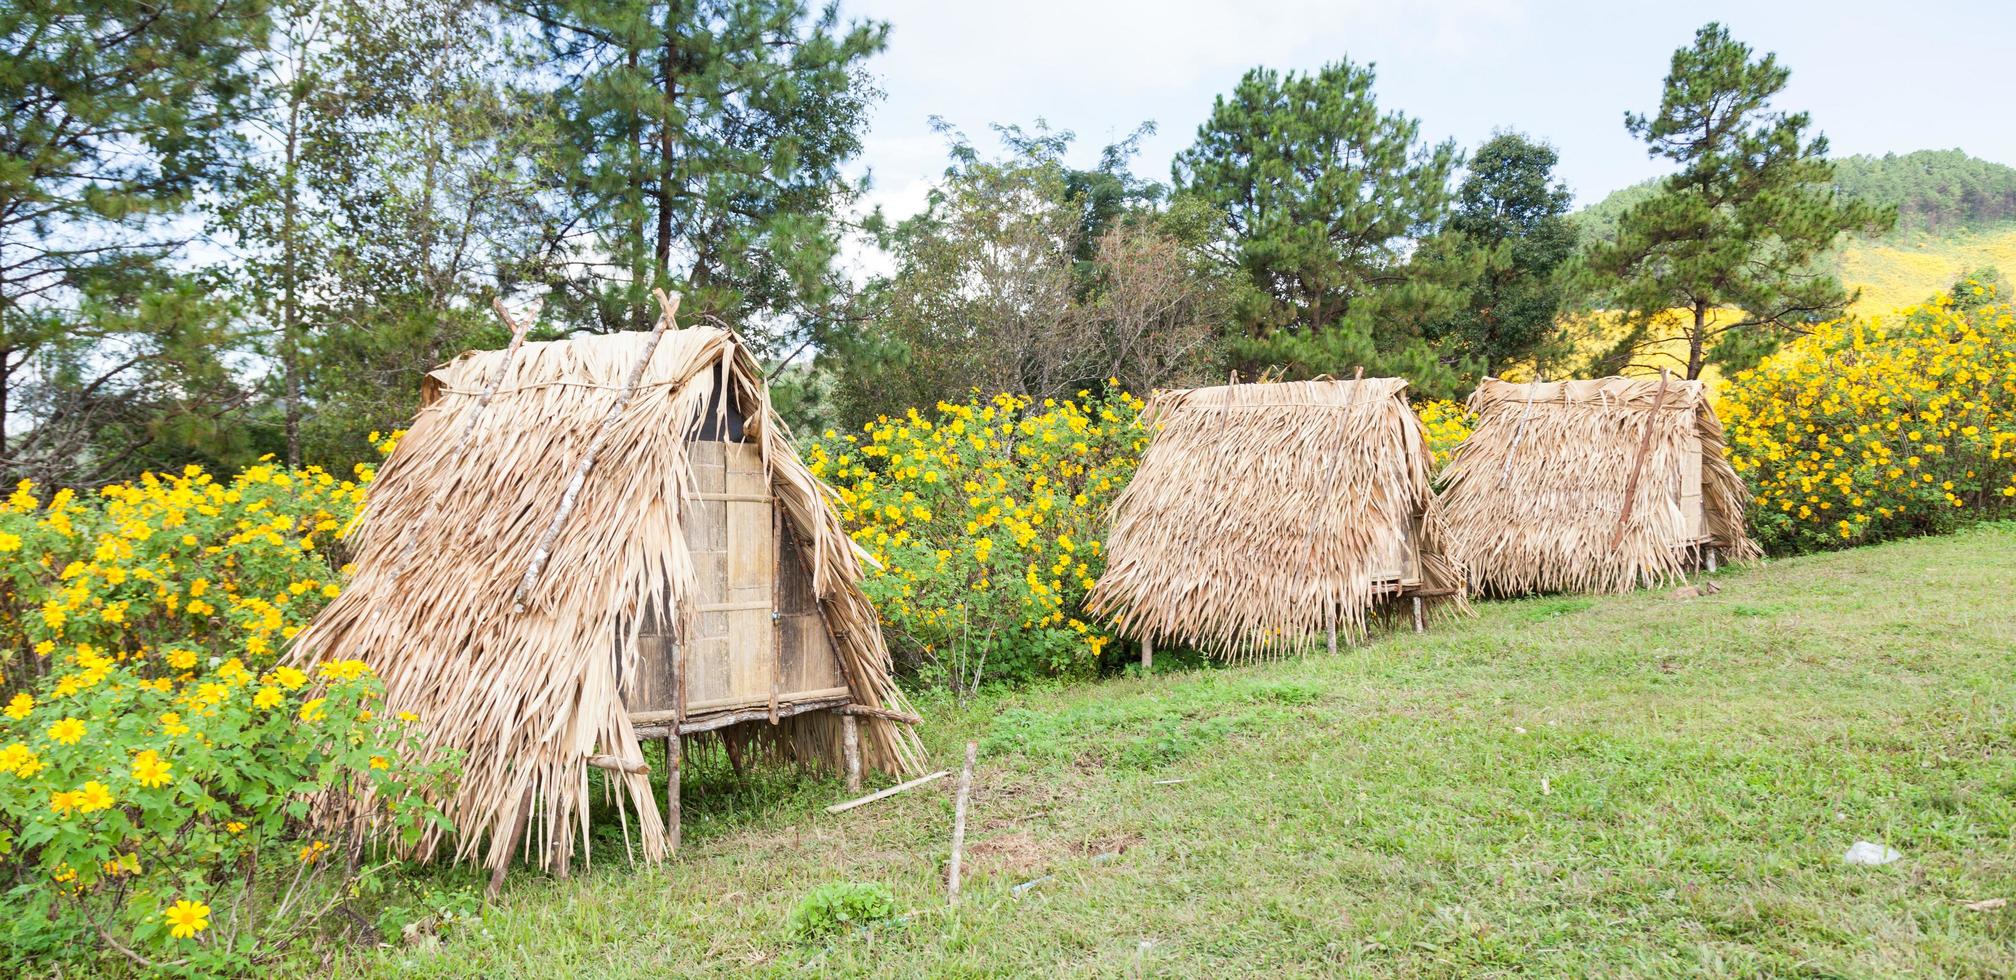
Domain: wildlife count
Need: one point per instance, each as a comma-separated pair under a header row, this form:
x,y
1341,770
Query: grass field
x,y
1641,785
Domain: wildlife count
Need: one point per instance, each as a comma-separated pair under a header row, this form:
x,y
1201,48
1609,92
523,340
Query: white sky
x,y
1877,76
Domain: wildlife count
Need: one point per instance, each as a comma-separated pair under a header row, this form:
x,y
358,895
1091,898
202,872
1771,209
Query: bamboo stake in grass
x,y
544,551
1638,465
468,433
886,793
959,824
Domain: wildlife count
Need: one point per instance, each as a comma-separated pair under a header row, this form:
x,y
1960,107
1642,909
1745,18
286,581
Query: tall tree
x,y
1739,226
1512,210
997,287
1325,199
119,114
701,148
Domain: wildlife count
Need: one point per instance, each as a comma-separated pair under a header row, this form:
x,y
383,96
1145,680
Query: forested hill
x,y
1936,192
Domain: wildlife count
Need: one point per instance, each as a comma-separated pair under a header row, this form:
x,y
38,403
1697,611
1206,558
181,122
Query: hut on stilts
x,y
1592,486
583,544
1267,517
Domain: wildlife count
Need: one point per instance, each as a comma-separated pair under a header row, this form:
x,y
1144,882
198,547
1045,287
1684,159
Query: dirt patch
x,y
1018,855
1110,844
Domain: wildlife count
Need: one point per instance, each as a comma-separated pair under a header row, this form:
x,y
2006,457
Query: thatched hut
x,y
1592,486
1264,516
545,617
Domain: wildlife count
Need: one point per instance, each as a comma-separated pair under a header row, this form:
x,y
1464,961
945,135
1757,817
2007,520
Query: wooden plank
x,y
694,709
743,606
712,722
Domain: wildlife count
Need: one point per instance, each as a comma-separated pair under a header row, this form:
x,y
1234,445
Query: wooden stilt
x,y
1147,655
850,743
734,750
675,750
1712,556
509,842
1420,616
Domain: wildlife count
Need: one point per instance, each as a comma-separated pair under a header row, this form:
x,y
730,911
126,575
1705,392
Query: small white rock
x,y
1865,852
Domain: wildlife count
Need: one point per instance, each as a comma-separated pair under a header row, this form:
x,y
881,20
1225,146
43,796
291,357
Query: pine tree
x,y
1741,224
118,116
1509,208
1325,199
700,149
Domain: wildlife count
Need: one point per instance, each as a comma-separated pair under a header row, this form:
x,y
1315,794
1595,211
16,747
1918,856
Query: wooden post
x,y
1638,464
510,844
1147,655
850,743
571,496
1712,555
959,824
1420,616
675,750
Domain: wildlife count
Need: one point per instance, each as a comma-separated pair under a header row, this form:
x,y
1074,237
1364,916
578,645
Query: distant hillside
x,y
1936,192
1955,214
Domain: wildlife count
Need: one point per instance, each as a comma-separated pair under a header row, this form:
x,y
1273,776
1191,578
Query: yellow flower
x,y
290,678
408,717
186,918
150,770
67,731
182,658
94,796
268,697
311,710
19,708
235,827
380,762
171,724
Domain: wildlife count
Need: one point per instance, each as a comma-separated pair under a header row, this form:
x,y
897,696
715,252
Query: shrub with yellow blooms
x,y
1884,428
155,815
985,520
151,748
1447,423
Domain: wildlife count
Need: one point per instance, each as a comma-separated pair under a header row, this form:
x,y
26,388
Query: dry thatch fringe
x,y
528,697
1260,514
1541,517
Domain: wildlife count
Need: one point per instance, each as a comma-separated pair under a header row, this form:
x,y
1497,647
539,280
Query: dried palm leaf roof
x,y
452,525
1265,514
1535,495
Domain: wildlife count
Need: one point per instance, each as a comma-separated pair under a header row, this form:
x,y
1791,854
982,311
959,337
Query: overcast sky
x,y
1877,77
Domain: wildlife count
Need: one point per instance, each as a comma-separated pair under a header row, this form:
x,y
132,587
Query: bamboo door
x,y
731,657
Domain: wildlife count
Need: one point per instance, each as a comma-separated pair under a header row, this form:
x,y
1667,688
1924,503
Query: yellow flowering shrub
x,y
1876,429
1447,424
150,748
150,816
986,520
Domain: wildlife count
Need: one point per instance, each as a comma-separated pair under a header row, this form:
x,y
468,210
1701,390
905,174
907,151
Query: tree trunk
x,y
290,352
1696,339
666,143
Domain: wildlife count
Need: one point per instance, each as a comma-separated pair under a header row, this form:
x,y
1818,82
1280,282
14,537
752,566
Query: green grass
x,y
1640,785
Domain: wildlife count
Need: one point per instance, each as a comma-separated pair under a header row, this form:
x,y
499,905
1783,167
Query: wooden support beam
x,y
675,751
651,726
1420,616
870,711
1638,463
509,843
543,551
617,763
1147,655
1712,556
850,744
